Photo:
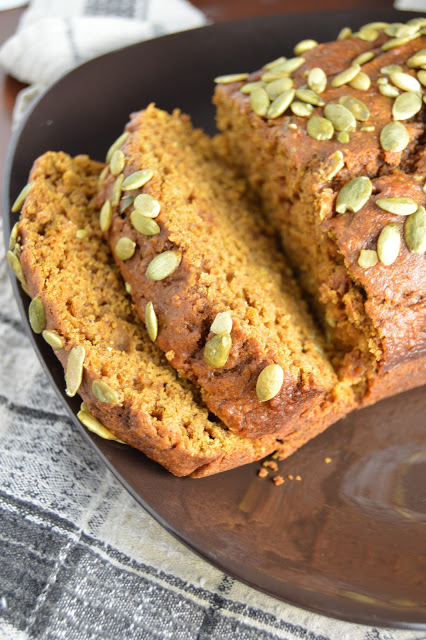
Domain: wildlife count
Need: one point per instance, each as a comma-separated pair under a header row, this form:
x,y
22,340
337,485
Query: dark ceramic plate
x,y
349,540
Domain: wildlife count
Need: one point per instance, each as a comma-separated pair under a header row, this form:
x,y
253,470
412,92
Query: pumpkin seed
x,y
277,87
382,80
15,265
390,68
163,265
274,74
222,323
319,128
137,179
417,60
388,244
394,137
293,126
388,90
290,65
21,198
53,339
13,236
80,234
302,109
146,226
405,30
105,216
376,25
422,77
317,80
406,106
269,382
309,96
304,45
336,163
216,351
128,287
37,315
126,202
103,174
361,82
341,118
363,58
400,206
280,104
116,190
405,82
147,205
415,231
116,145
248,88
421,22
125,248
231,77
395,42
151,321
103,392
274,63
367,258
369,127
118,160
354,194
392,28
93,424
345,33
367,34
343,137
357,107
346,76
259,101
74,370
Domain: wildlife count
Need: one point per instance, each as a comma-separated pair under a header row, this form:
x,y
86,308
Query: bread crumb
x,y
270,464
327,460
278,480
262,473
298,478
290,477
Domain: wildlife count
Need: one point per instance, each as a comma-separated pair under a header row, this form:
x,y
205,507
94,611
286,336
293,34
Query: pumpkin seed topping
x,y
301,109
274,63
74,370
274,74
422,77
259,101
369,127
376,25
367,33
222,323
13,236
116,145
388,244
304,45
405,82
341,118
400,206
336,163
128,287
382,80
53,339
357,107
125,248
354,194
363,58
405,30
390,68
118,162
146,226
417,60
317,80
163,265
147,205
406,106
21,197
37,315
103,174
415,231
346,76
388,90
80,234
343,137
361,82
345,33
368,258
15,265
105,216
248,88
419,21
319,128
277,87
96,427
291,65
137,179
394,137
396,42
269,382
280,104
231,77
216,351
103,392
151,321
293,126
309,96
116,190
126,202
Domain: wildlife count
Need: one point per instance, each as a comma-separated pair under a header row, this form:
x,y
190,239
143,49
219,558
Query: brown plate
x,y
349,539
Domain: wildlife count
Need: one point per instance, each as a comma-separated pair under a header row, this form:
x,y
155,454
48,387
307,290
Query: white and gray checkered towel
x,y
79,558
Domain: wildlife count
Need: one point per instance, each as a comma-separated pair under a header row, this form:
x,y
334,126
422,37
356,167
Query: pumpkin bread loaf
x,y
189,241
332,141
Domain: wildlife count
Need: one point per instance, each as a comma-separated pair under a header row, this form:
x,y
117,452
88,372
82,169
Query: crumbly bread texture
x,y
374,318
229,262
85,302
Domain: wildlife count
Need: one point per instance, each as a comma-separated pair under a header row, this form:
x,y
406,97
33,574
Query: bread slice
x,y
228,262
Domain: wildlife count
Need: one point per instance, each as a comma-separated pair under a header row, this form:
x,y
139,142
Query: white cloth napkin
x,y
411,5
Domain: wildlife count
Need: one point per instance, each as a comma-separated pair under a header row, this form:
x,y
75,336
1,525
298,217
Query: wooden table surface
x,y
216,10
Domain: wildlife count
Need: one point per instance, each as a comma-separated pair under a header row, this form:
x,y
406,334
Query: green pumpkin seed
x,y
37,315
388,244
422,77
277,87
216,351
274,74
382,80
376,25
80,234
280,104
74,370
259,101
15,265
95,426
343,137
105,216
405,82
309,96
341,118
269,382
400,206
346,76
293,126
103,174
137,179
116,145
291,65
126,202
222,323
13,236
319,128
128,287
361,82
163,265
363,58
406,30
317,80
388,90
390,68
394,137
335,162
103,392
367,34
415,231
369,127
345,33
302,109
125,248
417,60
357,107
395,42
117,163
419,21
53,339
248,88
354,194
21,198
304,45
392,28
146,226
116,190
147,205
406,106
231,77
368,258
274,63
151,321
